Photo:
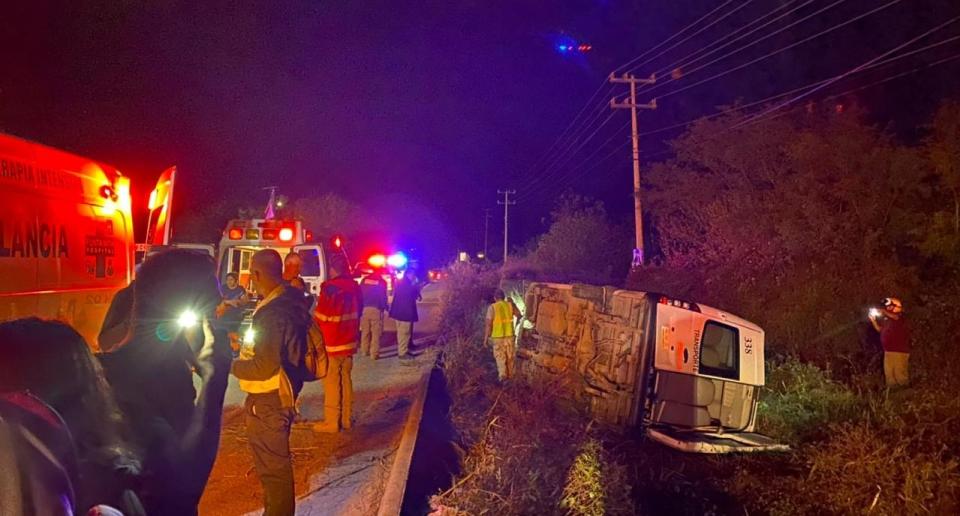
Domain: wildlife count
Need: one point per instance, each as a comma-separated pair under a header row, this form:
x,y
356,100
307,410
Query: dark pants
x,y
268,429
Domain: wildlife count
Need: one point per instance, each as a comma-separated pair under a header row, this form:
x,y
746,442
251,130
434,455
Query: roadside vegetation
x,y
798,223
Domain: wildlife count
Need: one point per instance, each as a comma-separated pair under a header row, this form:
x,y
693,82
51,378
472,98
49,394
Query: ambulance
x,y
687,375
66,234
243,237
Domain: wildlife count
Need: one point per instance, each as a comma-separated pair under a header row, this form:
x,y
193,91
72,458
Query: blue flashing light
x,y
397,260
563,48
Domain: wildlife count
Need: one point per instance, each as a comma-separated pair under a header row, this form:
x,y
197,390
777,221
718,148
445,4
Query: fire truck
x,y
243,237
66,234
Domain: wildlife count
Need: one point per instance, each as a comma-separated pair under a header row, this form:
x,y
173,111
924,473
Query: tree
x,y
582,244
798,220
326,214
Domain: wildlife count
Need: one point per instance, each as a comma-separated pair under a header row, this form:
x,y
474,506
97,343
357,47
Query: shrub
x,y
800,402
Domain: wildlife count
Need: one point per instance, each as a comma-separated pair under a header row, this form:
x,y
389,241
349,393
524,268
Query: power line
x,y
604,83
699,53
531,191
560,160
684,40
574,172
945,60
676,34
780,50
795,90
854,70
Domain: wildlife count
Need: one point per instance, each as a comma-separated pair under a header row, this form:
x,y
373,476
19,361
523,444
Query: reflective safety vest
x,y
338,315
246,353
502,320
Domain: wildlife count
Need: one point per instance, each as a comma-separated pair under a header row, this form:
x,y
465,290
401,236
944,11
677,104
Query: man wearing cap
x,y
895,338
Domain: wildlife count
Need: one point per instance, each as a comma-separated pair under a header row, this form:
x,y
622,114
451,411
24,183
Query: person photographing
x,y
889,321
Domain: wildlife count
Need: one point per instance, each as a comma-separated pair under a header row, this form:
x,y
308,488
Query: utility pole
x,y
630,79
506,203
486,229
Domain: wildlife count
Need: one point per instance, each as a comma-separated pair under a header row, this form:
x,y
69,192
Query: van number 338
x,y
747,345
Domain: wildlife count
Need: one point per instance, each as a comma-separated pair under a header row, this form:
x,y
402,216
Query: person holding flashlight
x,y
895,339
151,374
269,372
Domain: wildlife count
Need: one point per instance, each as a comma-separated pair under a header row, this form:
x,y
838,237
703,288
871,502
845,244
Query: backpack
x,y
315,361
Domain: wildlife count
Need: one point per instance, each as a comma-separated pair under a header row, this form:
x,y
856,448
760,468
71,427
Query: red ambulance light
x,y
337,242
308,235
286,234
269,234
377,261
235,234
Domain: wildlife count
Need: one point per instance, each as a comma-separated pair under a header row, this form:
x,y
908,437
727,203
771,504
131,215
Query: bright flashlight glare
x,y
188,319
874,313
248,336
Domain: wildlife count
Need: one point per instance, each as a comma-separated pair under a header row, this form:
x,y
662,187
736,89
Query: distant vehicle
x,y
66,234
243,237
687,374
435,275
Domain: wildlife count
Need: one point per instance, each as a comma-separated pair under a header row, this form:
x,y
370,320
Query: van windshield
x,y
719,351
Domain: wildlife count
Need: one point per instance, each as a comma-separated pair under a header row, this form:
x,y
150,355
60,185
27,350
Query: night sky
x,y
431,105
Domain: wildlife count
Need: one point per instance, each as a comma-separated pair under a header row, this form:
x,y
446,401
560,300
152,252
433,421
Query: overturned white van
x,y
687,374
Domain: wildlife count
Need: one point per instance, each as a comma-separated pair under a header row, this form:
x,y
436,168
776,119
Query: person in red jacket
x,y
895,338
337,313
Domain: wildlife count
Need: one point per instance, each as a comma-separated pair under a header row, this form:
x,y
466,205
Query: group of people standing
x,y
271,370
126,428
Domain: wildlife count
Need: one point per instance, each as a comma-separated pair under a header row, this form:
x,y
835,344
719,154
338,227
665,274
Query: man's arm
x,y
202,438
516,311
488,326
875,323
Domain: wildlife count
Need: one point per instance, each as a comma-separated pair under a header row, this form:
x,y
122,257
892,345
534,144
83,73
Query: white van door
x,y
314,270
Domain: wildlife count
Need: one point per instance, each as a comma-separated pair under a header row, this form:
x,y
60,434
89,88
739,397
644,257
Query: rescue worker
x,y
895,339
374,292
403,310
337,314
269,374
499,328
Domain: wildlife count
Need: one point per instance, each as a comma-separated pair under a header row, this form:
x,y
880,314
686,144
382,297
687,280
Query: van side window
x,y
719,351
310,260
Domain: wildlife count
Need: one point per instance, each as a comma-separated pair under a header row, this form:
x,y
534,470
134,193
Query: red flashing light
x,y
377,261
308,235
235,234
269,234
337,242
286,234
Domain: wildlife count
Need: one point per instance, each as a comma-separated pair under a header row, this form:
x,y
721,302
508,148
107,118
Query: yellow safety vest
x,y
246,352
502,320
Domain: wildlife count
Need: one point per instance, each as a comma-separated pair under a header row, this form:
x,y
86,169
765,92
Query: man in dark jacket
x,y
403,310
374,292
270,372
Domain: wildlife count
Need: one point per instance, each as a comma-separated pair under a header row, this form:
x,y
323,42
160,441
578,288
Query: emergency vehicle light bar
x,y
664,300
235,234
